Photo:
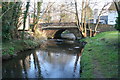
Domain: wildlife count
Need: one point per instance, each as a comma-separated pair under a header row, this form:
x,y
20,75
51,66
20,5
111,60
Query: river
x,y
55,58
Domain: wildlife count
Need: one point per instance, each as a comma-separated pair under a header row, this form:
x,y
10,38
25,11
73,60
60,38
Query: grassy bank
x,y
12,47
100,56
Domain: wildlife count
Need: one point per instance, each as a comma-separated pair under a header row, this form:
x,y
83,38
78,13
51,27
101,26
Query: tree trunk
x,y
37,17
95,29
117,6
25,16
34,17
78,21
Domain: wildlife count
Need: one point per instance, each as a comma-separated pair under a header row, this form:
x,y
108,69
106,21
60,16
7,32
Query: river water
x,y
55,58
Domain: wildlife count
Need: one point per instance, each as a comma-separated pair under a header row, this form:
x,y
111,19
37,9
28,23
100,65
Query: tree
x,y
36,17
25,16
82,25
101,12
63,14
117,5
85,16
117,25
47,12
11,12
48,16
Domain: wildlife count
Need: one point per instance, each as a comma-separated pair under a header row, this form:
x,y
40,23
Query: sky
x,y
99,5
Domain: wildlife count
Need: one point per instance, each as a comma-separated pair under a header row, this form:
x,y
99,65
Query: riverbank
x,y
12,47
100,56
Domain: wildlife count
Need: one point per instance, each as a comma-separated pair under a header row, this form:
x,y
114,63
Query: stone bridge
x,y
54,30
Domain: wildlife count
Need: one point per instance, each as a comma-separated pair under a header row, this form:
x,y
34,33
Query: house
x,y
103,19
109,19
112,14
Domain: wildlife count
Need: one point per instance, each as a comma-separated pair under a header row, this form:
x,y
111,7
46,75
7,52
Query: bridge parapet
x,y
58,27
58,24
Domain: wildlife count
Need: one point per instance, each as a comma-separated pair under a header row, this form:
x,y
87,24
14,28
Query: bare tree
x,y
85,16
101,12
77,17
36,17
82,25
47,9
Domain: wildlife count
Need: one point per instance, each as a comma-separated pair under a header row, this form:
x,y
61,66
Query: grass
x,y
100,56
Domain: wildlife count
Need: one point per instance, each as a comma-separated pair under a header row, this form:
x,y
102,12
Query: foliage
x,y
117,25
9,51
11,12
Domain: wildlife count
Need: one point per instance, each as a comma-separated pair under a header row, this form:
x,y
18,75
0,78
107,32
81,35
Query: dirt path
x,y
97,72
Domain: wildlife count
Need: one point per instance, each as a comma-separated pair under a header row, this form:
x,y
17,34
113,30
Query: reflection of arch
x,y
57,35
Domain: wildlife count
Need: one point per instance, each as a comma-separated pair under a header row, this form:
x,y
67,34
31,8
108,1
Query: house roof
x,y
112,7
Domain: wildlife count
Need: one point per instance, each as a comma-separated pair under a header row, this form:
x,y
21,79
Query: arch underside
x,y
57,35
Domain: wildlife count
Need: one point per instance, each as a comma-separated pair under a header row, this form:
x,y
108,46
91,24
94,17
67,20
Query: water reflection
x,y
77,59
24,66
51,60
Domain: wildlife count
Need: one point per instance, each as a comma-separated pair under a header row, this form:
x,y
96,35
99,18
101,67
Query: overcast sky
x,y
100,3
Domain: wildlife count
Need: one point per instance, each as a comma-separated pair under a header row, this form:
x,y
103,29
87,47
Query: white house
x,y
112,15
103,18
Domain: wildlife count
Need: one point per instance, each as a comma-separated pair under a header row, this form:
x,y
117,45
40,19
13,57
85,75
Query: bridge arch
x,y
58,33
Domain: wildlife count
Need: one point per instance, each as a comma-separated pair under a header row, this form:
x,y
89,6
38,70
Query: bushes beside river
x,y
100,56
12,47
